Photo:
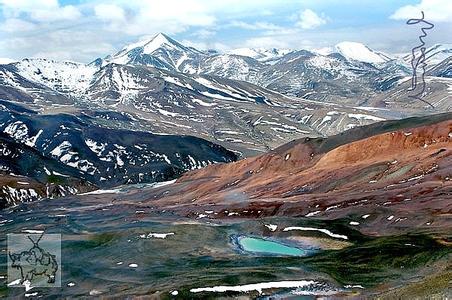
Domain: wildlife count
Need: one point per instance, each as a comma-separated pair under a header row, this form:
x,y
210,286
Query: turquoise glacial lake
x,y
252,244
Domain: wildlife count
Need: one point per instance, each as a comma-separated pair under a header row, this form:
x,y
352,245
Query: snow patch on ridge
x,y
325,231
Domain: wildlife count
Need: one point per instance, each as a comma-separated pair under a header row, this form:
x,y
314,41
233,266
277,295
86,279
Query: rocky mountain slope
x,y
111,156
438,93
442,69
366,174
27,175
60,154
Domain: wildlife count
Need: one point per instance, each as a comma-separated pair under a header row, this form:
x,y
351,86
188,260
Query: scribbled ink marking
x,y
419,61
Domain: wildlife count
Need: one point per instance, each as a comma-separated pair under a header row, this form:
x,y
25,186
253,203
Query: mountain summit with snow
x,y
161,51
261,54
360,52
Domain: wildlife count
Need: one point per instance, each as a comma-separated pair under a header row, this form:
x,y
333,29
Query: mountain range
x,y
170,172
247,100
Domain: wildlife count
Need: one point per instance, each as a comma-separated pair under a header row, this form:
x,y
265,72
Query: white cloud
x,y
434,10
204,33
108,25
109,12
112,24
309,19
68,12
16,25
195,44
206,45
82,45
254,26
175,16
28,5
40,10
147,17
268,42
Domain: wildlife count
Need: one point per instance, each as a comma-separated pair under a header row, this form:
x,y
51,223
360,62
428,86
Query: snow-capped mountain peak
x,y
360,52
160,51
324,50
135,45
162,41
149,46
261,54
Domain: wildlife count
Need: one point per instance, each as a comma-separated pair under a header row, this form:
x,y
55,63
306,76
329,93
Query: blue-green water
x,y
265,246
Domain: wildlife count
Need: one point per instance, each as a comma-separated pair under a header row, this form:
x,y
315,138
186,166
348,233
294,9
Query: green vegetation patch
x,y
372,262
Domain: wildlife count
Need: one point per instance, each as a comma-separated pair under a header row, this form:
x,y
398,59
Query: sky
x,y
81,30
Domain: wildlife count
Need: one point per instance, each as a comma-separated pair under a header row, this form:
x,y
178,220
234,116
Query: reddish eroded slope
x,y
401,178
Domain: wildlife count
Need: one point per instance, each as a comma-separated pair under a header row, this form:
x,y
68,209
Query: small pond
x,y
259,245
